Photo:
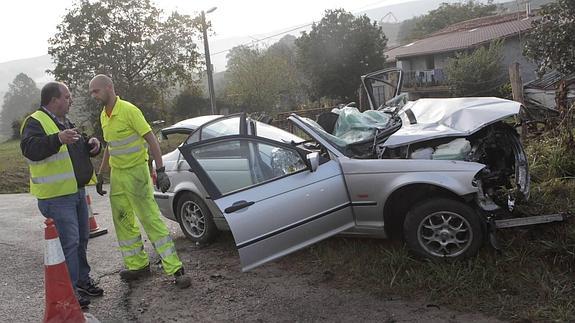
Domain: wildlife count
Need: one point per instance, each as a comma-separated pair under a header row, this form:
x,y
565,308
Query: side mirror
x,y
313,161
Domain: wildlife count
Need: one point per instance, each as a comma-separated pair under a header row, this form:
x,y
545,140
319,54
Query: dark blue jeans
x,y
70,213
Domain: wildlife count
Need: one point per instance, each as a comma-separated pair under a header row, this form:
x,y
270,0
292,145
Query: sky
x,y
28,24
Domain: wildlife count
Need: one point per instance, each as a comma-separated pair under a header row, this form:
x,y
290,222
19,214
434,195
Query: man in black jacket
x,y
59,160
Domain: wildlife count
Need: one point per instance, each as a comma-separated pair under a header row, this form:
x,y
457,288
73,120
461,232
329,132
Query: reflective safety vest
x,y
123,151
53,176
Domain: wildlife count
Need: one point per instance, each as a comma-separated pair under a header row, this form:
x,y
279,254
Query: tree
x,y
21,99
337,51
130,40
190,103
551,42
479,73
263,79
447,14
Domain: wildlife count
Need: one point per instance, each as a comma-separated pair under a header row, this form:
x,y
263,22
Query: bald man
x,y
129,135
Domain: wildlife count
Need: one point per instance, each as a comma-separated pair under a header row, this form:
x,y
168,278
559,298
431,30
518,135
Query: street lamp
x,y
209,70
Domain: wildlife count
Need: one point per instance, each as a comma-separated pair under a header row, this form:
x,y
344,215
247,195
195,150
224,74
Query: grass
x,y
13,169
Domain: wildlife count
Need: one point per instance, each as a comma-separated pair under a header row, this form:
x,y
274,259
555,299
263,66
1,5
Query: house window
x,y
429,62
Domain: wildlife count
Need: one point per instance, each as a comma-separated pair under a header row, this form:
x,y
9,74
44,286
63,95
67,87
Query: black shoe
x,y
89,288
181,280
84,302
129,275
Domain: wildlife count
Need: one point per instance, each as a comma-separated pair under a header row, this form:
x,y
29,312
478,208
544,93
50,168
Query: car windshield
x,y
352,126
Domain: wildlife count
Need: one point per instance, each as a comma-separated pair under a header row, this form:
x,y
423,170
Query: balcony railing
x,y
424,78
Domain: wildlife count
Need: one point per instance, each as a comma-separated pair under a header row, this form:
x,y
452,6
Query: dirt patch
x,y
292,289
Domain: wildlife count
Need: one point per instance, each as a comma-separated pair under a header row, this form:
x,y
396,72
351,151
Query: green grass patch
x,y
13,169
531,280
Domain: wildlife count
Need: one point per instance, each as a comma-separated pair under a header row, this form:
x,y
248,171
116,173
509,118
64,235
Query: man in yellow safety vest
x,y
131,193
59,160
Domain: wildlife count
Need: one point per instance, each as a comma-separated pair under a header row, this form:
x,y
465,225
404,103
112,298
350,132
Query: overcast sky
x,y
26,25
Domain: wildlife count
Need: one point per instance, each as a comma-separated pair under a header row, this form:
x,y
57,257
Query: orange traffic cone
x,y
95,230
61,303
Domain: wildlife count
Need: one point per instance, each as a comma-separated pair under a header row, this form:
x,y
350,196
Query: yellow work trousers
x,y
131,196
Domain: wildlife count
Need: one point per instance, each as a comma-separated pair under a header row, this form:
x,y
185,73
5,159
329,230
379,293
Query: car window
x,y
270,132
224,127
241,163
195,137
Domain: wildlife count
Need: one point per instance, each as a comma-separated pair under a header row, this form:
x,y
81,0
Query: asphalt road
x,y
22,259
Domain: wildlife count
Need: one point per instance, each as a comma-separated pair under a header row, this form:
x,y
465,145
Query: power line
x,y
261,39
252,43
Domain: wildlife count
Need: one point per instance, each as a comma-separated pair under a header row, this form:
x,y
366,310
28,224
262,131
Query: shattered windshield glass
x,y
352,126
355,126
339,143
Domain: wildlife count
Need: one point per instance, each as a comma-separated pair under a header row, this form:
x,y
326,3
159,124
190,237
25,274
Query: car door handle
x,y
238,205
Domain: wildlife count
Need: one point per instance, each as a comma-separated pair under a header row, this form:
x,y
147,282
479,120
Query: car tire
x,y
443,228
195,219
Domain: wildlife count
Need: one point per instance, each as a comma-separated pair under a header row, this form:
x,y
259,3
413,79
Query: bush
x,y
16,129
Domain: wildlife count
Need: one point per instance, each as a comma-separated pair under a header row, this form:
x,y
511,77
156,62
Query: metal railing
x,y
425,78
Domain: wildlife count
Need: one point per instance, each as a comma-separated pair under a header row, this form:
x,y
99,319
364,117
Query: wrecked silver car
x,y
432,172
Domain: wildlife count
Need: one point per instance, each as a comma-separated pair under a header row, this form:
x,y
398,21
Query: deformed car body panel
x,y
265,221
369,200
427,119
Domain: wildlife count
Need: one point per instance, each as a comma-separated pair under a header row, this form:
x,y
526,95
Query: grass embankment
x,y
13,168
531,280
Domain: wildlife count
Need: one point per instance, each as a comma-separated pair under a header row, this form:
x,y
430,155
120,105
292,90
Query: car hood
x,y
427,119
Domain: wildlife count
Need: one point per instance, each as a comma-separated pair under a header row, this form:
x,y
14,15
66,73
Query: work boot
x,y
89,288
84,302
181,280
129,275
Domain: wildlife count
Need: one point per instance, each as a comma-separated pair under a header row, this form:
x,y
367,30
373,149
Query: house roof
x,y
548,81
467,34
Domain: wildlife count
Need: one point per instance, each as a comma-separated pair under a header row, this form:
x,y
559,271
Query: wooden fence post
x,y
517,89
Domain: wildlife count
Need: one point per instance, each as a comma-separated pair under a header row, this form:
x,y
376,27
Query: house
x,y
540,93
423,61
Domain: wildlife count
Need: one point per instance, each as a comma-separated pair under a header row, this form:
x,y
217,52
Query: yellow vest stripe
x,y
59,156
116,152
53,178
125,141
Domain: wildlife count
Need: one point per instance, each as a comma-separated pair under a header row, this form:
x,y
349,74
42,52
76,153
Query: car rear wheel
x,y
443,228
195,219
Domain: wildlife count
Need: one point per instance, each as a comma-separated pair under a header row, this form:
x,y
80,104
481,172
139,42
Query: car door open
x,y
272,200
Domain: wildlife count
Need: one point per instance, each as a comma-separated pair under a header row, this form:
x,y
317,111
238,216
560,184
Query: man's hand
x,y
99,184
163,181
94,145
68,136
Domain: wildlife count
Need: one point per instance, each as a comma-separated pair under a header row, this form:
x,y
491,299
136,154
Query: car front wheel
x,y
443,228
195,218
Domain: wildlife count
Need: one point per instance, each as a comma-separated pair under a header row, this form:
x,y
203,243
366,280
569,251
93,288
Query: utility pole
x,y
209,69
